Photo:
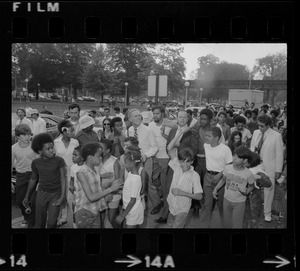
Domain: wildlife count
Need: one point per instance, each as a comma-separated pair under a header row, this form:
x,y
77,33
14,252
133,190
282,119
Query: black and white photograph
x,y
149,136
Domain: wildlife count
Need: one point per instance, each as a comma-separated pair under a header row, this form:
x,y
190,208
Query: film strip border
x,y
151,249
148,21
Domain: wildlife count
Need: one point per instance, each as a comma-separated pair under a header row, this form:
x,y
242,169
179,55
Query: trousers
x,y
45,212
233,214
205,219
268,197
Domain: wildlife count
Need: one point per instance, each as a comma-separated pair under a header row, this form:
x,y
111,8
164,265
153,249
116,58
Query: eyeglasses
x,y
105,123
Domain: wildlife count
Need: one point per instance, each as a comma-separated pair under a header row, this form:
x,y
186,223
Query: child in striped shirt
x,y
185,186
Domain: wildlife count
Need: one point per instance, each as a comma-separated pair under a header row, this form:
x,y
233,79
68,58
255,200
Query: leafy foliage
x,y
272,67
211,69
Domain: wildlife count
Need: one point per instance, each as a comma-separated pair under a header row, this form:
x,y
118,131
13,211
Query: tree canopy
x,y
98,68
272,66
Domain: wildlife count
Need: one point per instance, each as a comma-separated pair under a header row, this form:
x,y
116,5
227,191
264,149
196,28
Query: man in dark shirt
x,y
229,120
253,124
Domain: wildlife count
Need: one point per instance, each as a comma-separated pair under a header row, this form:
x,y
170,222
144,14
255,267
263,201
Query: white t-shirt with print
x,y
236,180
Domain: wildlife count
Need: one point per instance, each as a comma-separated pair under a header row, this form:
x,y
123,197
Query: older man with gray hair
x,y
148,146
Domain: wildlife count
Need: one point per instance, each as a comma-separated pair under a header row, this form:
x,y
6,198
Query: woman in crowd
x,y
235,140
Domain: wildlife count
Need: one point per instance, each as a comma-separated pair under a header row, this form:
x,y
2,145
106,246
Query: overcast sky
x,y
241,53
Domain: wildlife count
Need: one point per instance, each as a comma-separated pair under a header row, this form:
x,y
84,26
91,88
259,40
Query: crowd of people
x,y
116,174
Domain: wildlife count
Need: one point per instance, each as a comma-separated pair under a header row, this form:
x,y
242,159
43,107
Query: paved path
x,y
192,223
148,221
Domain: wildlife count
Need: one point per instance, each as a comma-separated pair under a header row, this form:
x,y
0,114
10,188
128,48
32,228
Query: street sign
x,y
162,88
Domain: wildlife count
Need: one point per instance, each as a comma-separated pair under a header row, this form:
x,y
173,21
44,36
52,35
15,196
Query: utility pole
x,y
157,89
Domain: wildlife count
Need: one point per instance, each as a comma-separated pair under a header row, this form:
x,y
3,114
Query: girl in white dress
x,y
133,210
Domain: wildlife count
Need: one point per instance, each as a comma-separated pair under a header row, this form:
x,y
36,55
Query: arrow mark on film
x,y
281,263
133,261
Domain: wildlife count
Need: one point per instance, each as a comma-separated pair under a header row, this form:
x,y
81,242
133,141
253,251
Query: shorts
x,y
85,219
115,202
135,217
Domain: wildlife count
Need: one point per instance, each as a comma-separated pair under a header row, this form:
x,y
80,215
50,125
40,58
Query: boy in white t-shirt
x,y
217,156
22,157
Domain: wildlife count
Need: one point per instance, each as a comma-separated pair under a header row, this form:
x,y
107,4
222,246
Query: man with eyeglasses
x,y
268,144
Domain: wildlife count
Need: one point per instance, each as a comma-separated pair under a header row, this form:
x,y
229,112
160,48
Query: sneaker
x,y
24,224
268,218
61,223
161,220
157,208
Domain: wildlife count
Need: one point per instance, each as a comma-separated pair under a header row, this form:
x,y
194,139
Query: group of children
x,y
96,182
103,185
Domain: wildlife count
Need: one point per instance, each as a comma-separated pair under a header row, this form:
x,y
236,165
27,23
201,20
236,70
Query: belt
x,y
212,172
201,156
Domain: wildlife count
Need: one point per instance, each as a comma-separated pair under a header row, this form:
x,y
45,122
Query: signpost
x,y
157,86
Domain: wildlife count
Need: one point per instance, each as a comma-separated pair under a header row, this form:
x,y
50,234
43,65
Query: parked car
x,y
80,99
51,124
88,99
194,103
144,101
106,102
55,97
43,97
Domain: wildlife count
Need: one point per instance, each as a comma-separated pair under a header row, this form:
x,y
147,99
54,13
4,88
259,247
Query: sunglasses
x,y
105,123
